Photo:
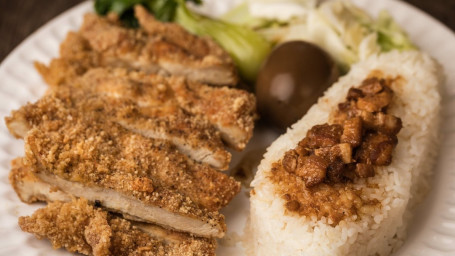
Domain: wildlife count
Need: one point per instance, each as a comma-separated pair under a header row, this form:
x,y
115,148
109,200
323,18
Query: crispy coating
x,y
191,134
79,227
76,57
76,144
174,33
156,48
30,188
231,111
197,59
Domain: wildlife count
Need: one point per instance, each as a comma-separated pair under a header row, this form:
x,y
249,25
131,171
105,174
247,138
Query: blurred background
x,y
19,18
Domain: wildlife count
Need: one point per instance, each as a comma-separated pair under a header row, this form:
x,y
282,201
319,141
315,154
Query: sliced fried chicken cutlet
x,y
76,58
84,155
102,42
80,227
157,48
29,188
135,121
192,135
231,111
208,62
32,189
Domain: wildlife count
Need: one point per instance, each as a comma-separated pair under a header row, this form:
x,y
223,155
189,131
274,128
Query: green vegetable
x,y
357,29
345,31
390,35
240,15
246,47
163,10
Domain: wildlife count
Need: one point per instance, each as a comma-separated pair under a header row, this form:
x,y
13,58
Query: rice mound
x,y
401,184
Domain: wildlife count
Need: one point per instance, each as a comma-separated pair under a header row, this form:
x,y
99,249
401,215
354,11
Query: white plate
x,y
432,232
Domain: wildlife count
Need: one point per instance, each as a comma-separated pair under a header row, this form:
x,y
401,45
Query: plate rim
x,y
84,5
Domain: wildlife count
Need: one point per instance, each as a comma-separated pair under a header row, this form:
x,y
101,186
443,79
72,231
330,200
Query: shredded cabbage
x,y
280,10
345,31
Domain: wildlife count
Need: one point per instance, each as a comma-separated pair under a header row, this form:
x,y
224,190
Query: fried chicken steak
x,y
129,140
80,227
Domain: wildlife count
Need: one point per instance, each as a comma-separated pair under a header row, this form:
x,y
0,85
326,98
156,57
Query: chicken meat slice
x,y
30,189
208,63
76,58
149,189
132,174
192,135
80,227
153,157
231,111
156,47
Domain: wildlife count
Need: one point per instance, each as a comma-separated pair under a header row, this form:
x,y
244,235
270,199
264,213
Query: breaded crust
x,y
191,134
207,63
79,227
30,188
64,126
231,111
151,52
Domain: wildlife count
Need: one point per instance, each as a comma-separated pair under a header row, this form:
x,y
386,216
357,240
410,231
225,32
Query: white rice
x,y
401,185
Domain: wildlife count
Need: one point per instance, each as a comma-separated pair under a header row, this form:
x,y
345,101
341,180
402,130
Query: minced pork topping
x,y
316,177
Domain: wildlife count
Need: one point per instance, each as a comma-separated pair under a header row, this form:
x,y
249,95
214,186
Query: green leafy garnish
x,y
390,34
163,10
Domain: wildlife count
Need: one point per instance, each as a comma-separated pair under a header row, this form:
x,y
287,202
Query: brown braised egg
x,y
291,80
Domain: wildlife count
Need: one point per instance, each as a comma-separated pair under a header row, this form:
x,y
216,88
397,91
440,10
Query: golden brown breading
x,y
30,188
151,52
192,135
208,62
77,145
79,227
174,33
76,57
102,42
231,111
87,148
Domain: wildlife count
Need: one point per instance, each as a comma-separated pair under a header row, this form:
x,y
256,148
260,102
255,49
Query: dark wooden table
x,y
19,18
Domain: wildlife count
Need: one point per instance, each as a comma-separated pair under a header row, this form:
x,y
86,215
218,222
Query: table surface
x,y
19,18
